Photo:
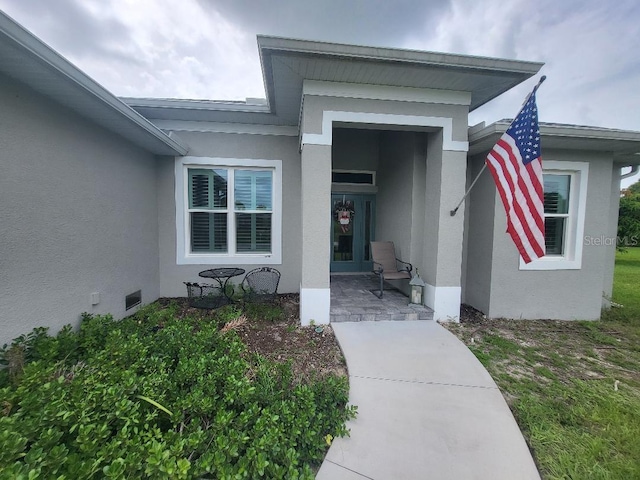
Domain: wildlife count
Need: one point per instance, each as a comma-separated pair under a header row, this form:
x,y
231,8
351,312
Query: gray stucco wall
x,y
479,231
355,149
314,105
395,191
78,214
552,294
233,146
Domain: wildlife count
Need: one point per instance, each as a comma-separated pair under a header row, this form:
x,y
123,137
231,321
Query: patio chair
x,y
261,284
387,266
205,295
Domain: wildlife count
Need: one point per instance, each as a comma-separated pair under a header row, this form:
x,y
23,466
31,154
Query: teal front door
x,y
352,229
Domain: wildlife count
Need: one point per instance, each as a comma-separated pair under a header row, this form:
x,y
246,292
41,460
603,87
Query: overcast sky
x,y
206,49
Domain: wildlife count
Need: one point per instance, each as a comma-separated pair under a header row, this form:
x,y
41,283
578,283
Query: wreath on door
x,y
343,213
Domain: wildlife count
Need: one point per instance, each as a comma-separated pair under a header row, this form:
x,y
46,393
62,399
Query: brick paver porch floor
x,y
352,301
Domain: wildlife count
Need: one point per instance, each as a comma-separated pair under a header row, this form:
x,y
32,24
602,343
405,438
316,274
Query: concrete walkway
x,y
427,409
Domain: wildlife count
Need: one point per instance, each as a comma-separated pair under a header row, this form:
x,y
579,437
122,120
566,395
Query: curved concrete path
x,y
427,409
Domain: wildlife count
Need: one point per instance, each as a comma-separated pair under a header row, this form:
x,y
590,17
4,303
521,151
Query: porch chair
x,y
261,284
387,266
205,295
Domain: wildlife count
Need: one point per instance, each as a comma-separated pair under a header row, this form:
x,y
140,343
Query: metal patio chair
x,y
205,295
261,284
386,266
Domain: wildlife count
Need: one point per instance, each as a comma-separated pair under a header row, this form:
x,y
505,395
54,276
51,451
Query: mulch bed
x,y
311,353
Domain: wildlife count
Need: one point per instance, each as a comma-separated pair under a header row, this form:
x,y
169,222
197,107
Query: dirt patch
x,y
543,350
273,331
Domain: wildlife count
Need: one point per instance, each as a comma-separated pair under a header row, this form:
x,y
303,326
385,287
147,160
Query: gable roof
x,y
27,59
287,62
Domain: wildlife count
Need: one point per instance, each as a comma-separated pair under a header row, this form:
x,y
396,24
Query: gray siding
x,y
241,146
79,215
394,199
355,149
480,208
552,294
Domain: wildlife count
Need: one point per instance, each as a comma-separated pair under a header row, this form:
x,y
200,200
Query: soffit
x,y
287,63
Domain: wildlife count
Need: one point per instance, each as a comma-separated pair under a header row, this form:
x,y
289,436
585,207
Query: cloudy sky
x,y
206,49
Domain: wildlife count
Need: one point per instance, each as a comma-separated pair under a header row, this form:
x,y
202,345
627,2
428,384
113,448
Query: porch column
x,y
316,233
443,234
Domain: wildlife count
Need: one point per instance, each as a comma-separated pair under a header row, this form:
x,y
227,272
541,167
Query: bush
x,y
156,397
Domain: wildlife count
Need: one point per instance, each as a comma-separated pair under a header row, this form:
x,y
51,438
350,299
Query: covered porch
x,y
352,301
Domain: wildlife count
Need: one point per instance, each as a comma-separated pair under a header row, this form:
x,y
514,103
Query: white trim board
x,y
315,305
444,301
385,92
331,116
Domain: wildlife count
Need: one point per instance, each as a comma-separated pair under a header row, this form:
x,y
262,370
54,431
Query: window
x,y
565,195
353,177
229,211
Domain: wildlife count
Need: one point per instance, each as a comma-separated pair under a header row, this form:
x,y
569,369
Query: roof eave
x,y
33,46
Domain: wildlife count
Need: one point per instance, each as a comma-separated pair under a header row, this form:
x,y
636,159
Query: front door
x,y
352,230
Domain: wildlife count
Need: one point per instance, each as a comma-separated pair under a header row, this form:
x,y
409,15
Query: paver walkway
x,y
427,409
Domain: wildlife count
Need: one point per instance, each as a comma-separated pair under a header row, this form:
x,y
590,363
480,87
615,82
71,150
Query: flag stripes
x,y
516,167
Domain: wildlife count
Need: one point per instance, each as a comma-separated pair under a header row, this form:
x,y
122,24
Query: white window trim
x,y
183,255
572,258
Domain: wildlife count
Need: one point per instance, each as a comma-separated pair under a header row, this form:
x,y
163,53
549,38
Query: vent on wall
x,y
353,177
133,299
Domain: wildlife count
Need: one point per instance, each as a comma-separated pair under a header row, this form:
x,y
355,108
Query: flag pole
x,y
455,210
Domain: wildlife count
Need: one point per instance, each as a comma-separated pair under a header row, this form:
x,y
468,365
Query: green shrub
x,y
153,396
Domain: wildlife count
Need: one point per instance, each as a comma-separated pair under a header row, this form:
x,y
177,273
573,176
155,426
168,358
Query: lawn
x,y
574,387
243,392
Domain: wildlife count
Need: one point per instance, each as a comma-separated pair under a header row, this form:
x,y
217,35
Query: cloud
x,y
207,48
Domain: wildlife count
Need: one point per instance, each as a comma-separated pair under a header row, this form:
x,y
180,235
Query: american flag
x,y
516,167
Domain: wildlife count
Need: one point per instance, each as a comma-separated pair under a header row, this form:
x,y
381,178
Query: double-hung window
x,y
565,193
228,211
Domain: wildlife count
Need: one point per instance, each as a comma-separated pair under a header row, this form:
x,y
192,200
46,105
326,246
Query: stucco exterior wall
x,y
479,232
395,191
355,149
78,215
547,294
233,146
314,105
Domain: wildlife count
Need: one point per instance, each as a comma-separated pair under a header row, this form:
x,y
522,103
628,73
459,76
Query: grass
x,y
574,387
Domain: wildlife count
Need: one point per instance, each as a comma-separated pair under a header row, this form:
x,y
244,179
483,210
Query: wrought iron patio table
x,y
222,277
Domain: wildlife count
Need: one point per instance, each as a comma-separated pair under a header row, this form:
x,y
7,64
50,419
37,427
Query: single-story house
x,y
109,202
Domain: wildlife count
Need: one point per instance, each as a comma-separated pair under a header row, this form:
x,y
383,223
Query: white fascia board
x,y
25,40
331,116
384,92
217,127
185,104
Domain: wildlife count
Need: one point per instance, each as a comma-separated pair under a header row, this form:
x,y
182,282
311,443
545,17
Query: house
x,y
106,203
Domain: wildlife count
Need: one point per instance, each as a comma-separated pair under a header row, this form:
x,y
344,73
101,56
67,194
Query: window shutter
x,y
199,189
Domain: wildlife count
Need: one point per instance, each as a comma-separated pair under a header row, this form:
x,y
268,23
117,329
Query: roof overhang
x,y
287,62
27,59
624,145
